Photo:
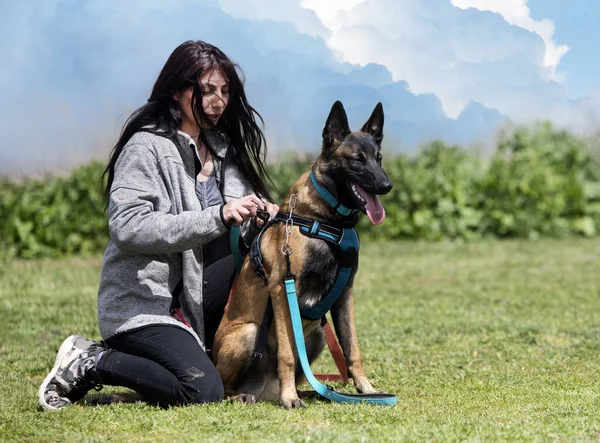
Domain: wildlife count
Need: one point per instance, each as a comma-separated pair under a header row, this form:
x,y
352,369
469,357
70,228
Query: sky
x,y
577,25
459,70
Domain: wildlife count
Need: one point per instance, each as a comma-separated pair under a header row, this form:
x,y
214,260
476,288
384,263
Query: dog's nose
x,y
386,186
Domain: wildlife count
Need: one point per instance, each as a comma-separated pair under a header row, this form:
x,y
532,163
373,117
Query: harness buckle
x,y
314,229
263,215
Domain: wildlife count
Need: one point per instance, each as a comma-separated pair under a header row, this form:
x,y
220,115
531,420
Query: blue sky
x,y
73,70
576,25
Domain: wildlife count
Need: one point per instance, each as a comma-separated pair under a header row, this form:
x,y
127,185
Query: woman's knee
x,y
203,387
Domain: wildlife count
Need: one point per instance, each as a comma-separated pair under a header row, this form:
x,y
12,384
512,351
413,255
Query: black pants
x,y
164,363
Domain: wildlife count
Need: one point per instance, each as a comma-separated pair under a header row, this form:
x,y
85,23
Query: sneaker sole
x,y
66,346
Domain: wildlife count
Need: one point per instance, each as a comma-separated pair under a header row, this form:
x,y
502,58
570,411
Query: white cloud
x,y
304,19
499,57
517,13
330,12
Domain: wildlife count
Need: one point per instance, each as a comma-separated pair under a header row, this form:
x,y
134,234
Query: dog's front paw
x,y
292,403
365,388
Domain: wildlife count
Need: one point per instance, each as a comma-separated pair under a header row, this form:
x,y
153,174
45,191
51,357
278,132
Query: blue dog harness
x,y
345,240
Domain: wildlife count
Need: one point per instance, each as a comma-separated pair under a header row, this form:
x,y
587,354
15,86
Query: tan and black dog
x,y
349,167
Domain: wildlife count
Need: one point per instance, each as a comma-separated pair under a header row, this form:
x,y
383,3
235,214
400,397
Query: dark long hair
x,y
162,113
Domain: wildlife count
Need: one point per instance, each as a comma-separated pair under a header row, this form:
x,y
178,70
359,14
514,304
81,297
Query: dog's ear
x,y
336,127
374,125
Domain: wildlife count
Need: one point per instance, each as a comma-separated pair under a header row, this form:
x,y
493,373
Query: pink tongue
x,y
375,211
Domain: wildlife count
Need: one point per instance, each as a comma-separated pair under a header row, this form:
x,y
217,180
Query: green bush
x,y
284,174
539,182
433,196
54,216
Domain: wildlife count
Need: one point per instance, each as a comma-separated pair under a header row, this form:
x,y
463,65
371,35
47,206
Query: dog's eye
x,y
360,157
379,159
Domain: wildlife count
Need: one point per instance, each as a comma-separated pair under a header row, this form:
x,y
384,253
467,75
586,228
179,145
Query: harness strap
x,y
256,255
336,353
312,226
324,305
260,345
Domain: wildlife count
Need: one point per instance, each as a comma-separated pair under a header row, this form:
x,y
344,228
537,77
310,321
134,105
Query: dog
x,y
350,168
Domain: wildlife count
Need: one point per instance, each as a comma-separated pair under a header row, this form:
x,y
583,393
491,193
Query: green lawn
x,y
484,341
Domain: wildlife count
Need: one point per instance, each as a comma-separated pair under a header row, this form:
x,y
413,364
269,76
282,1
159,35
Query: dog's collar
x,y
330,199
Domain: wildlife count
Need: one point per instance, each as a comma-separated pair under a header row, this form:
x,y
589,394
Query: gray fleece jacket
x,y
157,229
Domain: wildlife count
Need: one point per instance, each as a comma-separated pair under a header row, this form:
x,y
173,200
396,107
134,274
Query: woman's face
x,y
215,97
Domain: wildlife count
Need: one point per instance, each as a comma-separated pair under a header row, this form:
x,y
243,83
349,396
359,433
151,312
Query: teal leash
x,y
380,399
234,243
290,290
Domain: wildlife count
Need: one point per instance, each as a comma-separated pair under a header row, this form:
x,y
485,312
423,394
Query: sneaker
x,y
72,375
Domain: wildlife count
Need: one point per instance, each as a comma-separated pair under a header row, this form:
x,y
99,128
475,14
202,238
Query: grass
x,y
483,341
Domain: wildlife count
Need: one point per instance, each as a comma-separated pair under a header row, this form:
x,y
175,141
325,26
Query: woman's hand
x,y
238,210
272,209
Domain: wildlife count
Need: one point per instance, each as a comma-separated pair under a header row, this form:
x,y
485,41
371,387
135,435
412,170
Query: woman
x,y
188,165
